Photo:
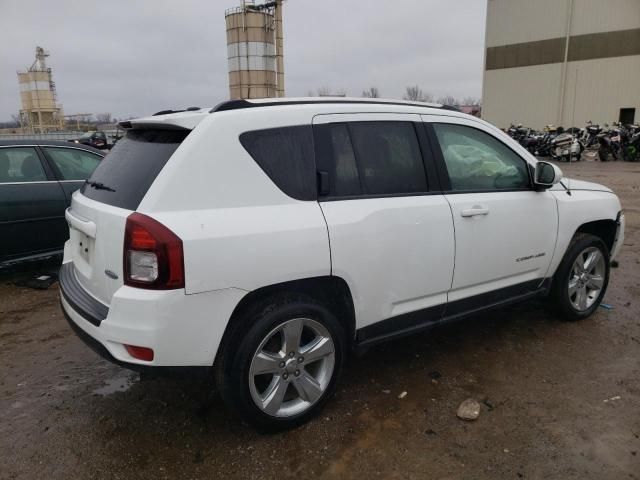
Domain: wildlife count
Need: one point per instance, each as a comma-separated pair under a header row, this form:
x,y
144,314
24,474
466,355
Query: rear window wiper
x,y
99,186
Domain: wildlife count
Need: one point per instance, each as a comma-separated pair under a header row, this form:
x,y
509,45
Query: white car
x,y
264,240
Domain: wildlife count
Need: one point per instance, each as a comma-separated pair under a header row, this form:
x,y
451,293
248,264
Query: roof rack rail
x,y
240,104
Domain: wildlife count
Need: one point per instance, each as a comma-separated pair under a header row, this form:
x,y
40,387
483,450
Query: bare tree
x,y
103,118
326,91
427,97
448,100
471,101
371,92
415,94
15,119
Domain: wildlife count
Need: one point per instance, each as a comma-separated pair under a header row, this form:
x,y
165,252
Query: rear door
x,y
99,210
505,230
390,230
31,205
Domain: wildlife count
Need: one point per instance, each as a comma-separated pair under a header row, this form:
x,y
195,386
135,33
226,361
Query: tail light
x,y
153,255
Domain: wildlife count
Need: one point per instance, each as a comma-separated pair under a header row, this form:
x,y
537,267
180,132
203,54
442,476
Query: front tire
x,y
582,277
281,365
603,154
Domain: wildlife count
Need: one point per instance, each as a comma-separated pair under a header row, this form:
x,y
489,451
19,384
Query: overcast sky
x,y
136,57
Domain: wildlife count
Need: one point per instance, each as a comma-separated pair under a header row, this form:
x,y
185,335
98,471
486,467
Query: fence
x,y
61,136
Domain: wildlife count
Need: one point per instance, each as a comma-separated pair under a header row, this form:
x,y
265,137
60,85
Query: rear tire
x,y
281,364
582,277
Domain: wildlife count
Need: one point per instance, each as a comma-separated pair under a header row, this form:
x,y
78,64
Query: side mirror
x,y
546,175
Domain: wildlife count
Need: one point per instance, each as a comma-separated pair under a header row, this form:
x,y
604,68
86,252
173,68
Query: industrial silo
x,y
254,50
40,112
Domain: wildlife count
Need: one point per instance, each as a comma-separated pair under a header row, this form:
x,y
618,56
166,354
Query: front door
x,y
505,231
390,231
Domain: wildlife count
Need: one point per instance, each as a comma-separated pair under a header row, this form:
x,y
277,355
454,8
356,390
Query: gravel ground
x,y
558,400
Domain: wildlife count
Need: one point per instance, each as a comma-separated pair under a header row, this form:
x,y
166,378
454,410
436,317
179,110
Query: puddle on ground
x,y
118,384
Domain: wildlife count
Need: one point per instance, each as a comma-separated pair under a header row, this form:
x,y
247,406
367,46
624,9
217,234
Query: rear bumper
x,y
183,330
78,299
100,349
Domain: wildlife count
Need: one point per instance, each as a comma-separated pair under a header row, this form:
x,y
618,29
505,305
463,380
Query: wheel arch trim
x,y
330,290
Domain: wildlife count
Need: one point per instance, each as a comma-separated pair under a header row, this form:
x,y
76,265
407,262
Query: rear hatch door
x,y
99,210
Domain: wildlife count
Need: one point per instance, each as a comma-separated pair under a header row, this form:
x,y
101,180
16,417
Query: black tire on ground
x,y
560,285
603,154
233,362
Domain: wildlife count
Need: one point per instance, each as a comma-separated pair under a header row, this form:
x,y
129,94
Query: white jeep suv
x,y
264,240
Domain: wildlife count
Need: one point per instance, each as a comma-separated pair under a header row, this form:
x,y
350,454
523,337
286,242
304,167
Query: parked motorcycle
x,y
609,143
618,141
630,140
589,135
543,148
566,147
517,132
532,141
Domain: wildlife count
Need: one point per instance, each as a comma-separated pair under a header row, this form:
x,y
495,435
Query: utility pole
x,y
279,50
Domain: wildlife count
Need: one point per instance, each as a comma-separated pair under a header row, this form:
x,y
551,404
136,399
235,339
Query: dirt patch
x,y
558,400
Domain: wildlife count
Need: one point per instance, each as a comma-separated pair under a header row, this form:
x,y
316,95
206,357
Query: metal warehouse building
x,y
562,62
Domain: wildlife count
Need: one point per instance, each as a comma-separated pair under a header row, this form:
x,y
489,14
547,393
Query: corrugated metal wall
x,y
592,16
518,21
532,94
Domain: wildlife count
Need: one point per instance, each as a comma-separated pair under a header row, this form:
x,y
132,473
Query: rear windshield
x,y
126,173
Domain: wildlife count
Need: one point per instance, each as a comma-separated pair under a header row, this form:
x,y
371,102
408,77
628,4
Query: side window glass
x,y
335,156
477,161
370,158
20,165
286,156
73,164
388,157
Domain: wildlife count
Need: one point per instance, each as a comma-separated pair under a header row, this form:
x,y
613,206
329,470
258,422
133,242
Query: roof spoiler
x,y
166,112
130,125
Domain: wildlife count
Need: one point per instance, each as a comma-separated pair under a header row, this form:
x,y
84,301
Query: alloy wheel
x,y
292,367
586,279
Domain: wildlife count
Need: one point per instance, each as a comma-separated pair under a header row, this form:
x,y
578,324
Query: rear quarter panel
x,y
239,230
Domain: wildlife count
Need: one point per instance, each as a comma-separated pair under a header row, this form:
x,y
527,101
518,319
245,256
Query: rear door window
x,y
72,163
389,158
371,158
123,177
286,155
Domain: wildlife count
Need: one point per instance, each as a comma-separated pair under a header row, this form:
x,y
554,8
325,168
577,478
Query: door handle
x,y
475,211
